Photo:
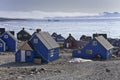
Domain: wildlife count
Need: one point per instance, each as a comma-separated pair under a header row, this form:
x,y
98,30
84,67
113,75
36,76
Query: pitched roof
x,y
70,37
25,46
9,34
47,40
2,41
23,30
104,42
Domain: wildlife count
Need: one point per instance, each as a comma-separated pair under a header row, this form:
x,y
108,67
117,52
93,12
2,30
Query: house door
x,y
22,56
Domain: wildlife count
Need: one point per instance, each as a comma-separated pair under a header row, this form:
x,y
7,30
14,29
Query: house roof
x,y
25,46
9,34
70,38
47,40
104,42
23,30
54,34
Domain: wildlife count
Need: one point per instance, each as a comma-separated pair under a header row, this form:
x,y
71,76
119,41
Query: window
x,y
51,53
110,51
6,48
79,51
0,44
94,43
28,53
60,39
19,35
6,36
89,51
25,35
35,41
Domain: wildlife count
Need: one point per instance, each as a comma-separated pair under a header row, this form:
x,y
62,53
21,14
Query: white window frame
x,y
51,53
1,45
19,35
25,35
28,53
5,36
94,43
79,51
35,41
89,51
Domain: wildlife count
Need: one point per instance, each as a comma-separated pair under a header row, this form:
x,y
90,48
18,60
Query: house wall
x,y
29,56
40,49
2,46
96,50
53,54
11,44
18,56
70,44
109,53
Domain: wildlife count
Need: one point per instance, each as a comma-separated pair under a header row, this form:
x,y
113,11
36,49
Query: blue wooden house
x,y
10,40
60,40
99,47
45,46
24,54
2,45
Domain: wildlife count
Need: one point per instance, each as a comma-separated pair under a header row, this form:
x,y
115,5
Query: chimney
x,y
38,30
23,28
69,34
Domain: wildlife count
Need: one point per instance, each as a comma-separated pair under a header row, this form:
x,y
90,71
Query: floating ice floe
x,y
79,60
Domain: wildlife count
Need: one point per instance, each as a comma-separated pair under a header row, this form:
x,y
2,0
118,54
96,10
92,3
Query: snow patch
x,y
79,60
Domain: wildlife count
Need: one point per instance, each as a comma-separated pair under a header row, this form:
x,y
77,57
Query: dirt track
x,y
60,69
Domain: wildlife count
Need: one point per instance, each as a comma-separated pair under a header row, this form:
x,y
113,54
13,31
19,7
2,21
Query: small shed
x,y
23,35
2,45
45,46
99,47
70,42
24,54
2,30
10,40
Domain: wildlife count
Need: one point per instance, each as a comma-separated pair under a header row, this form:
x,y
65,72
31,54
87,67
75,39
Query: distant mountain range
x,y
105,15
11,19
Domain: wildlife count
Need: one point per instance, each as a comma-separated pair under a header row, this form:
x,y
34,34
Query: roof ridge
x,y
28,46
46,40
9,34
104,42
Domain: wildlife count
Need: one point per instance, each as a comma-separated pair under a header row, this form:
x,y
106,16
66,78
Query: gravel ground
x,y
60,69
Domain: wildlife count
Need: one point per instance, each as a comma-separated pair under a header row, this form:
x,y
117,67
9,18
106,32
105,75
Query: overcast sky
x,y
65,6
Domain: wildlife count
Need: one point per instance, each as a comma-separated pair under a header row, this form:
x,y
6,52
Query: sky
x,y
46,8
